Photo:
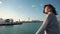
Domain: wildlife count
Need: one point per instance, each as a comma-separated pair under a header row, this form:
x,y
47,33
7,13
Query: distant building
x,y
11,20
35,20
28,19
1,21
1,18
19,20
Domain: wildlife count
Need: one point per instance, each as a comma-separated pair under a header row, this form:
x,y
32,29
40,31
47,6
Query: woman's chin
x,y
46,13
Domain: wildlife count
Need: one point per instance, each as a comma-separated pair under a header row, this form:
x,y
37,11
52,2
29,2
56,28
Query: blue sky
x,y
24,9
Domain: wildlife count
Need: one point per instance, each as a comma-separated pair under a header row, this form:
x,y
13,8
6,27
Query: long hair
x,y
52,7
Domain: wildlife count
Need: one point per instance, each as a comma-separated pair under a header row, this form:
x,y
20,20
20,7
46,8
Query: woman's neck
x,y
49,12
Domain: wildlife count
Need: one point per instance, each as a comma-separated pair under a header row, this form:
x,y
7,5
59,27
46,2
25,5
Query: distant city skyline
x,y
24,9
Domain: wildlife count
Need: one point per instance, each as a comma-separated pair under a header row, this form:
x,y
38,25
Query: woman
x,y
50,24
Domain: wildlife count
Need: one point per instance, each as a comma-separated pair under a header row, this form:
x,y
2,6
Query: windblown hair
x,y
52,7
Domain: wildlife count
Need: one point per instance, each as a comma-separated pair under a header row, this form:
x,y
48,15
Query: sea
x,y
25,28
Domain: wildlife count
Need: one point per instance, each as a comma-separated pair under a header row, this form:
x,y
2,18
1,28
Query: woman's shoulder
x,y
51,15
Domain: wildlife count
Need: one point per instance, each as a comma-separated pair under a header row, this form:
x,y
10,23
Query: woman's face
x,y
47,9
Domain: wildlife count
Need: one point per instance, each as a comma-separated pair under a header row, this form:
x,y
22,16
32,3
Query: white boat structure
x,y
8,22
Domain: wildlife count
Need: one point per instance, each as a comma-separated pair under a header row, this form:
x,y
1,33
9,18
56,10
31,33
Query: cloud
x,y
33,6
41,4
0,2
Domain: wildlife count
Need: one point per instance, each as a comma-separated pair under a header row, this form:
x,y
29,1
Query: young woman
x,y
50,24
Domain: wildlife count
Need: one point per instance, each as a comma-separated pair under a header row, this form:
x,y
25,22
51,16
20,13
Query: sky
x,y
24,9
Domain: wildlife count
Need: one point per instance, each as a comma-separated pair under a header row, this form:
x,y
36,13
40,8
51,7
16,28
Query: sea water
x,y
25,28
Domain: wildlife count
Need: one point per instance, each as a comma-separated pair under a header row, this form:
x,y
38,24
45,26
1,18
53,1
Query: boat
x,y
8,22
